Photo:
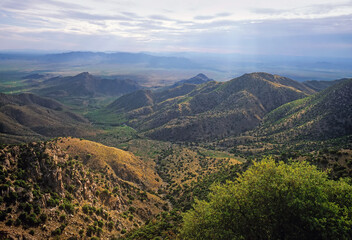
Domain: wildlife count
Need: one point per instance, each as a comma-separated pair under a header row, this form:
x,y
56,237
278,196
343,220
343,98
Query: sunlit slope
x,y
68,189
115,161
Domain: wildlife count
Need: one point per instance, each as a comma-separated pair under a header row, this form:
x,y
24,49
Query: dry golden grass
x,y
111,160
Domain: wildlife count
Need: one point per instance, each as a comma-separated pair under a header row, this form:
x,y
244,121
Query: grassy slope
x,y
123,164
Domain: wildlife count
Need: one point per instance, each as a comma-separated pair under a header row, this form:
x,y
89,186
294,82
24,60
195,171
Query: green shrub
x,y
100,223
274,201
56,232
43,217
52,202
62,218
9,222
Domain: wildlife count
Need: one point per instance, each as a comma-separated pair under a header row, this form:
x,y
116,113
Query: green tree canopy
x,y
274,201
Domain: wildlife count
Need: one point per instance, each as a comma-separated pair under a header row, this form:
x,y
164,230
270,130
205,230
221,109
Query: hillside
x,y
27,117
86,85
211,110
74,188
321,85
121,163
322,116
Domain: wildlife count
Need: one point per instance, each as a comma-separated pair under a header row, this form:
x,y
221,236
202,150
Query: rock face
x,y
211,110
73,182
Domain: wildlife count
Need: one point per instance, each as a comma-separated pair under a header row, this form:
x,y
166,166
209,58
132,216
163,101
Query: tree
x,y
274,201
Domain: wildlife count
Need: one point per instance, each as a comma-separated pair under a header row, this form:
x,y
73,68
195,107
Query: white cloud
x,y
165,25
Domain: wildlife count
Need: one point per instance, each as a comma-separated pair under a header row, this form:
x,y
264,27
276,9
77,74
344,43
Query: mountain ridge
x,y
324,115
194,112
85,84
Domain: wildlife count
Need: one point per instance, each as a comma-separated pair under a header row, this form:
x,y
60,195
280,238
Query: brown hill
x,y
123,164
70,188
211,110
27,117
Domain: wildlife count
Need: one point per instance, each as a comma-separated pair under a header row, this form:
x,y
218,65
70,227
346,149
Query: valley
x,y
95,157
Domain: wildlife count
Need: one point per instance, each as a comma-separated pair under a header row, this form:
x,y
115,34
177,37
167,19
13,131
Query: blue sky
x,y
278,27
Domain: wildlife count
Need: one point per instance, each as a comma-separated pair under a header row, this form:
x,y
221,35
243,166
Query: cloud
x,y
28,4
224,26
160,17
87,16
211,17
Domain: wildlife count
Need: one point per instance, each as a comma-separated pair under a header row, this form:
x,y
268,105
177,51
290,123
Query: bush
x,y
62,218
68,207
100,223
85,209
56,232
43,217
17,222
9,222
3,215
274,201
110,225
132,209
32,219
52,202
90,230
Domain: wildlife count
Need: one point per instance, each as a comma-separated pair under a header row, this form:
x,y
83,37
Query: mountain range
x,y
163,146
191,112
93,58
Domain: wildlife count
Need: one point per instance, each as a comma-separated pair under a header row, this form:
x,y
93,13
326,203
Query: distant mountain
x,y
33,76
199,79
93,58
86,85
211,110
321,85
121,58
325,115
27,116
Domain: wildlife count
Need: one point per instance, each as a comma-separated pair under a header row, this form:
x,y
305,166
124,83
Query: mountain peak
x,y
83,74
273,79
198,79
201,75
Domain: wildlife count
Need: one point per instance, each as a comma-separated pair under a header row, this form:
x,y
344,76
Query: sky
x,y
277,27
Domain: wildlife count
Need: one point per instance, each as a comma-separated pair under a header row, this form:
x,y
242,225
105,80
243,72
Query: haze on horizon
x,y
291,27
